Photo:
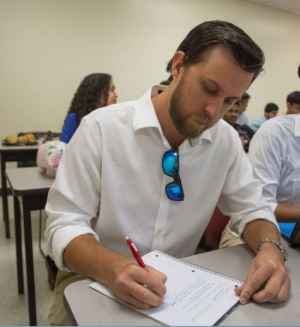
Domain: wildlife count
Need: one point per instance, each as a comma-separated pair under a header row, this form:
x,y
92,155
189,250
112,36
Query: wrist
x,y
269,243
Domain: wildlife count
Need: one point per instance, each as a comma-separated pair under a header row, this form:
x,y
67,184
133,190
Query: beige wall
x,y
48,46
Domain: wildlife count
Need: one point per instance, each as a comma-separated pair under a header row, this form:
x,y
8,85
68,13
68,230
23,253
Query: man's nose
x,y
214,110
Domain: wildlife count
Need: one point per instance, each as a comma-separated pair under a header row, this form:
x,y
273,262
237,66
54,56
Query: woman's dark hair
x,y
91,94
204,37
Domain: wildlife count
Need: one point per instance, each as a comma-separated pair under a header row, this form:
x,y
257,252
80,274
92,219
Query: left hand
x,y
267,279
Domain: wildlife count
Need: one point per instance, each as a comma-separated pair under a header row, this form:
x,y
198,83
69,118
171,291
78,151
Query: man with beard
x,y
125,179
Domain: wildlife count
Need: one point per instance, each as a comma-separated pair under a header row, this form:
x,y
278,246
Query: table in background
x,y
32,185
87,307
11,154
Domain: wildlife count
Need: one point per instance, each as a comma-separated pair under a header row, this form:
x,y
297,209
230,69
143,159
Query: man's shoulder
x,y
280,123
115,111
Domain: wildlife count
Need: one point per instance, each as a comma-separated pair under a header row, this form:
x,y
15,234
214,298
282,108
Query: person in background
x,y
293,103
120,177
231,117
95,91
243,117
275,155
271,110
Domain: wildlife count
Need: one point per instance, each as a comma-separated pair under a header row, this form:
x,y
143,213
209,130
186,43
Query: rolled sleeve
x,y
74,199
241,198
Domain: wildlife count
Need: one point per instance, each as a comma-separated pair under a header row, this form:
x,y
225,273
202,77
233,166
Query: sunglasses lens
x,y
174,192
170,163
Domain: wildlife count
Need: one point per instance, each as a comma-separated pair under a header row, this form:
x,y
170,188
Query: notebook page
x,y
195,297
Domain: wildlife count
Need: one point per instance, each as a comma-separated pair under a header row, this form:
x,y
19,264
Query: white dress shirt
x,y
110,184
275,157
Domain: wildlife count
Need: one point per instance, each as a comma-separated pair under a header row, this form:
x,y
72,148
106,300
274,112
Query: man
x,y
231,117
293,103
243,118
110,183
271,110
274,155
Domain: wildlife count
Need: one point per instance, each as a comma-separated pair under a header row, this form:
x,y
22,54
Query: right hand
x,y
127,281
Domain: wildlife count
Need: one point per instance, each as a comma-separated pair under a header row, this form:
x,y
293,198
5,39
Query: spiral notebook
x,y
195,296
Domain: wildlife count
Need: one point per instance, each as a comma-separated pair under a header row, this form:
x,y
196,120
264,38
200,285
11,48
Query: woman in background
x,y
95,91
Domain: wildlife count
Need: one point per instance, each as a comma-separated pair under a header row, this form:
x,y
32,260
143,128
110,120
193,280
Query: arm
x,y
123,276
252,218
69,128
268,156
267,279
73,202
285,213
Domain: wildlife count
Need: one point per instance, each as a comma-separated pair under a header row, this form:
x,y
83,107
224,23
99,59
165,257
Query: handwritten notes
x,y
195,296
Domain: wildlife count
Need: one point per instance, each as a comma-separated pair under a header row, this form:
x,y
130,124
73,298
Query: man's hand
x,y
136,286
267,279
124,277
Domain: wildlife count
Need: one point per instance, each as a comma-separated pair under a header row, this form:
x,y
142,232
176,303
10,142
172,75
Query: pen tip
x,y
127,238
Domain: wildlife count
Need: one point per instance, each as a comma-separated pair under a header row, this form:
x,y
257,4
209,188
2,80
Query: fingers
x,y
267,283
273,292
143,297
140,288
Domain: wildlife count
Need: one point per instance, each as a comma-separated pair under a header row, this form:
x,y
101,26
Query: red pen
x,y
135,253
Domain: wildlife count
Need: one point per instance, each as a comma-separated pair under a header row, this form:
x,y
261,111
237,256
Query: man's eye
x,y
210,91
229,102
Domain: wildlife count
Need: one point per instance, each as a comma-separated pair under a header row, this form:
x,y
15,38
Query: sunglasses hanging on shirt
x,y
170,166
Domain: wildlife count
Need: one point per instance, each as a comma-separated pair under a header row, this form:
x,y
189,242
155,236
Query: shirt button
x,y
159,231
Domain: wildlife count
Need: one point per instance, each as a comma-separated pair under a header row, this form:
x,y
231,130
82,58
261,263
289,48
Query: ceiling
x,y
292,6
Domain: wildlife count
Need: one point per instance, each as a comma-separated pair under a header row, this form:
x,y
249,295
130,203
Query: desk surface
x,y
18,148
28,181
89,307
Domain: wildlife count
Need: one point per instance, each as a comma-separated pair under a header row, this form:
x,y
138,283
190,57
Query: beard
x,y
186,124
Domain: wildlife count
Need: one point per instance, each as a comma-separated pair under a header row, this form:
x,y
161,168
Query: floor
x,y
14,307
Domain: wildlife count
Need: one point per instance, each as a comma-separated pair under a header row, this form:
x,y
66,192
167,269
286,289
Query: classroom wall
x,y
47,47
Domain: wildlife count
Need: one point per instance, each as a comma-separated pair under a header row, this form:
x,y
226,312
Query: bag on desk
x,y
49,155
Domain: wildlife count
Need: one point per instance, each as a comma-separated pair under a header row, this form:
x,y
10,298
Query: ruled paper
x,y
195,297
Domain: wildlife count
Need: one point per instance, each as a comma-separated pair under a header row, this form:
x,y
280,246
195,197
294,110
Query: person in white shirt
x,y
293,103
119,177
275,158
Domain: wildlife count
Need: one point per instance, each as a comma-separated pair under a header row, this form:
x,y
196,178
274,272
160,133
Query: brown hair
x,y
204,37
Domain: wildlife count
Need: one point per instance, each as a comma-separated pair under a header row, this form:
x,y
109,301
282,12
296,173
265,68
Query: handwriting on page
x,y
193,297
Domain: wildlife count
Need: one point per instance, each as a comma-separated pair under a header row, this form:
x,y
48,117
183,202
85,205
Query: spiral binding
x,y
197,267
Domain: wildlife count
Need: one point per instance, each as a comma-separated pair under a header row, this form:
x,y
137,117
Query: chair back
x,y
215,228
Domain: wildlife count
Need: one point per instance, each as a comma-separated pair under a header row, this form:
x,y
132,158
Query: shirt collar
x,y
145,116
297,125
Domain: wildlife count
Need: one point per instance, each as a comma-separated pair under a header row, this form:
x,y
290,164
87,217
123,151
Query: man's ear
x,y
177,65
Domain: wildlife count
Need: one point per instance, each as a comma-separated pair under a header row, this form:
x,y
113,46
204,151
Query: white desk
x,y
10,154
32,185
87,307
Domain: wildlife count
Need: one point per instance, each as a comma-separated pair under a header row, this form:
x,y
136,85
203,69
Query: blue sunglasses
x,y
170,166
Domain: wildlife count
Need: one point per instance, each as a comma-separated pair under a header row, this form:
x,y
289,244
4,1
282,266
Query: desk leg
x,y
4,197
18,233
29,261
